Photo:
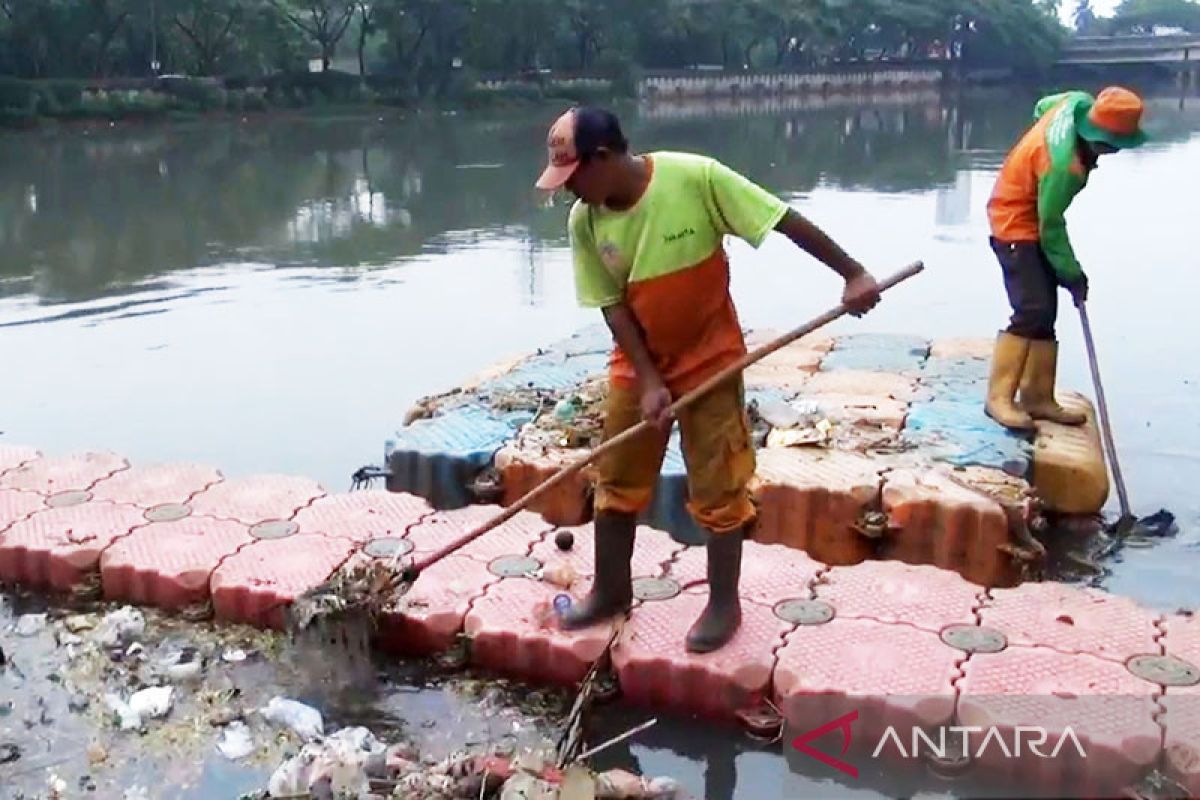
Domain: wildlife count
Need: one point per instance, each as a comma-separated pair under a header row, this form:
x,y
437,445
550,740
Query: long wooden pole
x,y
1102,407
639,429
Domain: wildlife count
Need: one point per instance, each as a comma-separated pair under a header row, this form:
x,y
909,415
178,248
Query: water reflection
x,y
82,214
271,296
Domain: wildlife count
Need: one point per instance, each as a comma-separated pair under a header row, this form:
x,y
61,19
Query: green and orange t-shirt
x,y
665,258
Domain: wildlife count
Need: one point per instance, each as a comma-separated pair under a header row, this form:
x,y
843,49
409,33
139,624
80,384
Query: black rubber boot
x,y
723,615
612,591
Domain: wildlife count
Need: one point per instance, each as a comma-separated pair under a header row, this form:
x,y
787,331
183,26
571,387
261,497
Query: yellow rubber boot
x,y
1037,385
1008,364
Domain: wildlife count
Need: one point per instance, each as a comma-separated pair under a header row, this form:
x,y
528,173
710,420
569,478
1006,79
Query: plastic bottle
x,y
564,410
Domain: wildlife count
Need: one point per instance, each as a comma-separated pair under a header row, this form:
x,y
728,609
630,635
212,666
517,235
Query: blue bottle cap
x,y
562,603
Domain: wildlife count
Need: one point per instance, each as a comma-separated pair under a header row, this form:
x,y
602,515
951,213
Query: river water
x,y
272,295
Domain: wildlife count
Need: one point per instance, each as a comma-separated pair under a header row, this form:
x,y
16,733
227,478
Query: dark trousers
x,y
1032,288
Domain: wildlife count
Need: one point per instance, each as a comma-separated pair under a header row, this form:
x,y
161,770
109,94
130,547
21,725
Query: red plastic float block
x,y
890,591
811,499
770,573
16,506
259,498
940,522
861,383
789,380
157,484
58,548
1072,620
429,617
1024,692
1182,705
962,348
522,470
656,670
789,367
870,412
511,626
653,550
168,564
363,516
13,456
890,675
513,537
77,472
759,337
256,584
513,631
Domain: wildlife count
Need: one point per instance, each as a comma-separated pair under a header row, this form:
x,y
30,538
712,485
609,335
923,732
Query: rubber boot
x,y
1037,385
1008,364
612,589
723,614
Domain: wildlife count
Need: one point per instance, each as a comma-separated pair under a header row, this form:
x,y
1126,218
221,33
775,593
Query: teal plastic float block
x,y
438,458
962,435
877,353
559,368
548,373
958,380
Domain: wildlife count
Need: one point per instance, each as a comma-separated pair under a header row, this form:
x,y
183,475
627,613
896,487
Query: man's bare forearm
x,y
632,341
816,243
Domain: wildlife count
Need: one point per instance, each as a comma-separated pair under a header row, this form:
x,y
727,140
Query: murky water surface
x,y
270,296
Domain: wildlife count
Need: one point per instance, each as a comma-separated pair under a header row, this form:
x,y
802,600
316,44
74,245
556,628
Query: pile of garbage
x,y
568,421
99,700
801,422
119,702
352,764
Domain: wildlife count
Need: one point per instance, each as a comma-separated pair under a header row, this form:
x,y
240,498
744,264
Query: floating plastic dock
x,y
885,645
869,447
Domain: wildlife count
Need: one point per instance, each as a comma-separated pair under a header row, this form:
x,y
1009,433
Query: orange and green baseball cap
x,y
579,133
1114,118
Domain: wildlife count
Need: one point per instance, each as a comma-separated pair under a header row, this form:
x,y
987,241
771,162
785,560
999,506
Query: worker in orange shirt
x,y
1036,185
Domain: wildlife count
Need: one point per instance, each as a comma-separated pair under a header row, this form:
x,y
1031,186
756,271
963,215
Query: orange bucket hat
x,y
1114,118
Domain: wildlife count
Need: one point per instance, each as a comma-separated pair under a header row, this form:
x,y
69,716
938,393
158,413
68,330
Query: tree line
x,y
107,38
1137,17
430,39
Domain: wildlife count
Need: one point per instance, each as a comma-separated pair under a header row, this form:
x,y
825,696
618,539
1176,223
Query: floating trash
x,y
236,742
305,721
121,627
30,624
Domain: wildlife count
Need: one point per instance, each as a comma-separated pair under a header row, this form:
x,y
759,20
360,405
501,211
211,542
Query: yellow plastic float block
x,y
1069,471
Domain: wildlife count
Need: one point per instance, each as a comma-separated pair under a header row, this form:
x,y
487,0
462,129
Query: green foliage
x,y
1142,16
317,87
423,49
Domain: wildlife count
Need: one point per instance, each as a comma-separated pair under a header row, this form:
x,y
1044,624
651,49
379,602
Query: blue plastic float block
x,y
590,340
561,366
959,433
552,372
877,353
958,380
439,457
